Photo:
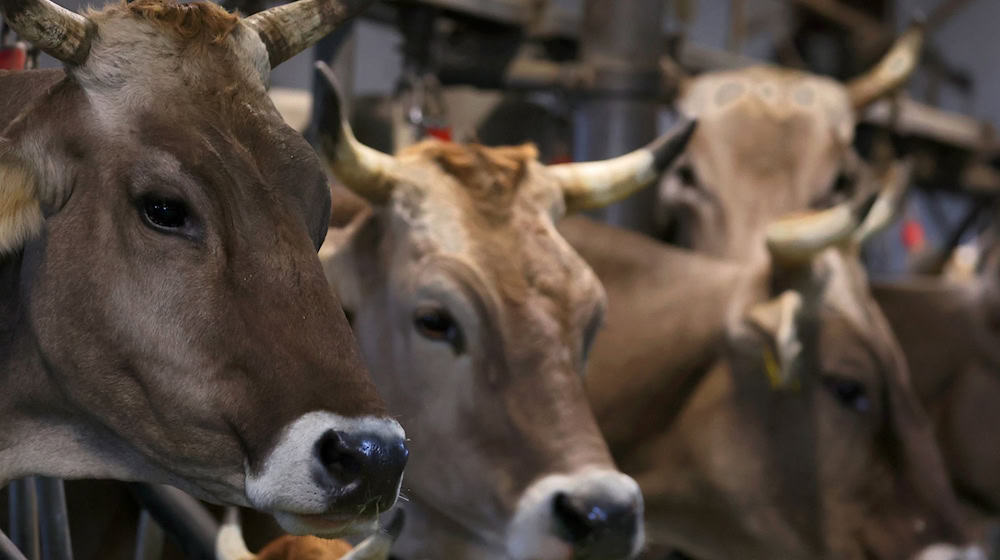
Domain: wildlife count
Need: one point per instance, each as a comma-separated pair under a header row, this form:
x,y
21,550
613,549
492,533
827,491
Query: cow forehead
x,y
774,94
140,58
508,238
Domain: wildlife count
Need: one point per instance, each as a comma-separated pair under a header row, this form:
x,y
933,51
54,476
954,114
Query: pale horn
x,y
892,71
594,184
363,170
292,28
797,239
62,34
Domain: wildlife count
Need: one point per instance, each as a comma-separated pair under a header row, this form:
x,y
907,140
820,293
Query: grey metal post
x,y
621,42
7,549
53,519
149,538
23,508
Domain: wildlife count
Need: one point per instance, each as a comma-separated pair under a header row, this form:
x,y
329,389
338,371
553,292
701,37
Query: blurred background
x,y
507,71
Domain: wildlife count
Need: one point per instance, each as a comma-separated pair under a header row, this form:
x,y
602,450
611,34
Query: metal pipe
x,y
7,549
53,519
620,44
181,516
149,538
23,507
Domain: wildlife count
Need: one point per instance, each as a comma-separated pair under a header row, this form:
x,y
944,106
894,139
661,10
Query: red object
x,y
13,58
440,132
913,235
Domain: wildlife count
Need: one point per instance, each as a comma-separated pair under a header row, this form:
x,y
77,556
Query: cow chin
x,y
328,527
605,521
949,552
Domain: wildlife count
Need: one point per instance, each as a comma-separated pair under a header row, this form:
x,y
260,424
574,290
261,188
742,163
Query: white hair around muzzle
x,y
533,532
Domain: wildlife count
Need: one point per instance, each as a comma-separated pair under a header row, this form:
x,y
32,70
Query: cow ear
x,y
340,261
778,319
21,215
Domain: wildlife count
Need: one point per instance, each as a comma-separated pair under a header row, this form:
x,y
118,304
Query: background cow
x,y
163,314
766,411
770,141
791,154
949,330
478,318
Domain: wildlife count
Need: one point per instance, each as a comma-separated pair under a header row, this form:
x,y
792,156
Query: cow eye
x,y
437,324
164,213
687,175
590,332
849,393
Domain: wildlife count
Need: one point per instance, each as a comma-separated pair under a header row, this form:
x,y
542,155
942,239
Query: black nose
x,y
365,469
596,527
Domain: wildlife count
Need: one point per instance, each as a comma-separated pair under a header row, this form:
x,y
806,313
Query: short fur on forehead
x,y
191,21
490,175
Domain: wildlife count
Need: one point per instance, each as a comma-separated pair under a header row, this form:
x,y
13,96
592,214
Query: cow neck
x,y
432,525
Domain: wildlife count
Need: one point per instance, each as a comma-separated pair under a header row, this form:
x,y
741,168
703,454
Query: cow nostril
x,y
596,526
576,519
363,469
338,456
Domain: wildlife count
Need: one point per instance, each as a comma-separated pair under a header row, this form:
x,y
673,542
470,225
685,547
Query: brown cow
x,y
163,314
766,411
770,141
477,317
723,193
950,332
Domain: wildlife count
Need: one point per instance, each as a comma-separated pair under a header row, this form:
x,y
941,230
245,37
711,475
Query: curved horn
x,y
229,543
594,184
886,205
377,546
797,239
55,30
892,71
367,172
292,28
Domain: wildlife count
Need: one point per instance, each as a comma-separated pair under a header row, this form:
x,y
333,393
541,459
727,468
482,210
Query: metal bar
x,y
917,119
53,519
945,11
23,508
848,17
620,43
149,538
7,549
182,517
737,26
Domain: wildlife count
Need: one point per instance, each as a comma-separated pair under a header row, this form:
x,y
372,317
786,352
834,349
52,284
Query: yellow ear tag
x,y
772,368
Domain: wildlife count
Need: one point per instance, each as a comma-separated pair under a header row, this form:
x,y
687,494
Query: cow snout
x,y
950,552
330,475
597,513
366,467
599,525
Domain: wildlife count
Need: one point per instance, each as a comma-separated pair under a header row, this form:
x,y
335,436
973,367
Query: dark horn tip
x,y
667,147
329,106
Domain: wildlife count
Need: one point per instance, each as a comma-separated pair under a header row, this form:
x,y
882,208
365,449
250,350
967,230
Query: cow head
x,y
770,141
807,440
478,317
170,318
